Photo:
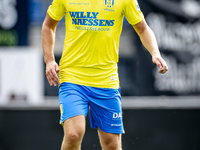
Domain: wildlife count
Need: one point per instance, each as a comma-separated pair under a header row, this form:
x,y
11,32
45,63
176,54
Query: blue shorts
x,y
104,104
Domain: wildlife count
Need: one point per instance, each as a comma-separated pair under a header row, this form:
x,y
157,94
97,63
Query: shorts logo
x,y
116,125
117,115
109,3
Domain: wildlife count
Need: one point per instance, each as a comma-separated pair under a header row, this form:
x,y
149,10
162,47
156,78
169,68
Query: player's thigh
x,y
72,101
109,140
74,127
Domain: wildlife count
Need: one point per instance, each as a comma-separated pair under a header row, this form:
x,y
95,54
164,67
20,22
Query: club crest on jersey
x,y
109,3
137,5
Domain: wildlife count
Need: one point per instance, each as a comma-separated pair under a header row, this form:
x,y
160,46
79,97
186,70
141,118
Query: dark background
x,y
144,129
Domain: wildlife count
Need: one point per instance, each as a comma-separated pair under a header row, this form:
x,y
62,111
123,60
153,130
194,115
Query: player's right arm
x,y
48,40
55,13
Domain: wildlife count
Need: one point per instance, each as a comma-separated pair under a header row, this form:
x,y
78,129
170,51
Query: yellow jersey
x,y
93,28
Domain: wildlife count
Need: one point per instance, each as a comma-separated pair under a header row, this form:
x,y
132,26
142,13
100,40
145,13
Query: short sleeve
x,y
56,10
132,12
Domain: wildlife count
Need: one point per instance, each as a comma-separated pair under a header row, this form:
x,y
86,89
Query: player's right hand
x,y
52,71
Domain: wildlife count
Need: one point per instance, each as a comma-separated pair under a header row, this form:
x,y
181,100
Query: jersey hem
x,y
92,85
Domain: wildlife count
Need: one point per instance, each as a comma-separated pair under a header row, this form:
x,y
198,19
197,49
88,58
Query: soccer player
x,y
88,73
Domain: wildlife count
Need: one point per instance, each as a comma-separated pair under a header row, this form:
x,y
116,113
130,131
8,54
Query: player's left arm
x,y
148,39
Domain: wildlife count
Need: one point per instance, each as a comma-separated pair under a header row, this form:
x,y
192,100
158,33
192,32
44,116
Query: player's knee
x,y
113,144
74,137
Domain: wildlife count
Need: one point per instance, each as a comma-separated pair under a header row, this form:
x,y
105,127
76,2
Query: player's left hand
x,y
160,62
